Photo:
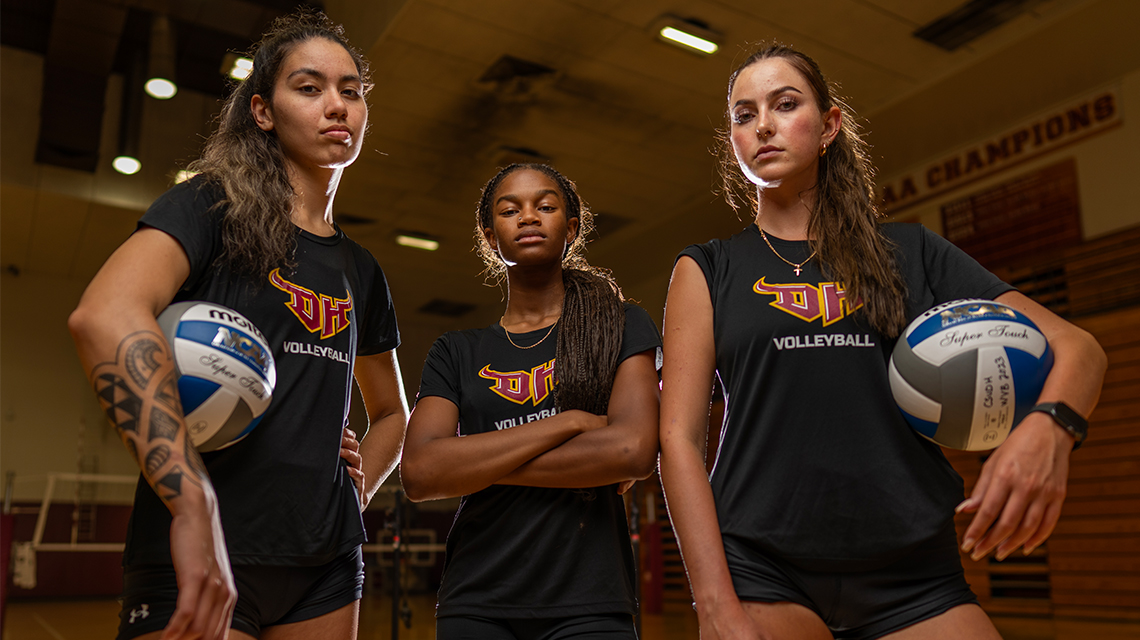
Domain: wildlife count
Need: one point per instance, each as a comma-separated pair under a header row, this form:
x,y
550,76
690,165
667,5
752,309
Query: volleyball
x,y
966,372
225,371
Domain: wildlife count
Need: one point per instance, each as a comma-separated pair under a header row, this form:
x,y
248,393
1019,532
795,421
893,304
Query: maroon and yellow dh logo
x,y
809,303
318,312
519,386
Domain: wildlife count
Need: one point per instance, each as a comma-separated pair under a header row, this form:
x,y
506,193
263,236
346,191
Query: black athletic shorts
x,y
859,605
267,594
588,627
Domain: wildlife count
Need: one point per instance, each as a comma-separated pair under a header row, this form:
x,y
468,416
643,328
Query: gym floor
x,y
97,619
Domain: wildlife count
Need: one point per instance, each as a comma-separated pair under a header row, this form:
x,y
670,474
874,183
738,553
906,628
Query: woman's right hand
x,y
206,591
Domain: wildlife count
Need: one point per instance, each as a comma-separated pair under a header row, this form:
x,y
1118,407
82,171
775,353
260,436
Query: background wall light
x,y
691,35
236,66
416,240
160,72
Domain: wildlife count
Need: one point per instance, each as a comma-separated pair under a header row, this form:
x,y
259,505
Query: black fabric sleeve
x,y
640,333
705,255
952,274
441,376
186,212
379,331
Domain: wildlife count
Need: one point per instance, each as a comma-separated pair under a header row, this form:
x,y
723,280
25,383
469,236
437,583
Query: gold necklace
x,y
797,267
548,332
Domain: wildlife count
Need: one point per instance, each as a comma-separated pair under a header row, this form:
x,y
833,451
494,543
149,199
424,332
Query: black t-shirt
x,y
817,464
528,552
284,493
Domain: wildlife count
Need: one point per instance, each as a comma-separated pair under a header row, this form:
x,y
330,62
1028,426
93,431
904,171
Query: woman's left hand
x,y
1017,499
350,451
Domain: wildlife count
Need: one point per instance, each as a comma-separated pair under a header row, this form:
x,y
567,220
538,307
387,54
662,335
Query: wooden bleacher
x,y
1090,567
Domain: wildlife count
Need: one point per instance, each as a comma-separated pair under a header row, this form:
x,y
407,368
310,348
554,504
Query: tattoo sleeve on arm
x,y
156,458
170,485
167,393
193,458
142,361
139,394
162,425
119,401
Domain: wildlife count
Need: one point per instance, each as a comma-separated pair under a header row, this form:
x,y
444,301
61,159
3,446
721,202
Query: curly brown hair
x,y
593,311
844,224
249,164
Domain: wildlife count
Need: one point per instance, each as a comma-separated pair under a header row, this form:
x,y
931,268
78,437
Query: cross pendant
x,y
798,269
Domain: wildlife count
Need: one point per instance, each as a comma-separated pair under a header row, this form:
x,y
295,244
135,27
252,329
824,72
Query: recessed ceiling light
x,y
689,35
416,240
236,66
241,69
126,165
161,63
161,88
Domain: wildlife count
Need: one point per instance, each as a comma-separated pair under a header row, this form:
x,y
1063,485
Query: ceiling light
x,y
126,165
160,71
690,35
161,88
416,240
130,119
242,68
236,66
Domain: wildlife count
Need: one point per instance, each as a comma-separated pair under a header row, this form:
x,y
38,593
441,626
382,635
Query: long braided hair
x,y
249,164
843,226
593,311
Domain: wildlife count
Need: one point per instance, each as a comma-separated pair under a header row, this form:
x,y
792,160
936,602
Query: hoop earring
x,y
823,151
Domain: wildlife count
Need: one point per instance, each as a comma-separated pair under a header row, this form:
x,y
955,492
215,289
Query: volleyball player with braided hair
x,y
556,407
275,518
825,514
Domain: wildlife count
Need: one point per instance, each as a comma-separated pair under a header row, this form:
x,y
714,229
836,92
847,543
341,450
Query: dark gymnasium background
x,y
1012,127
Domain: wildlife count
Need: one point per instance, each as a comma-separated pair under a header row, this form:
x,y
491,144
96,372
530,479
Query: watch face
x,y
1062,411
1071,420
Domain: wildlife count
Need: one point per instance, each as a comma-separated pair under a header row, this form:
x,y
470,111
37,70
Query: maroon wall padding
x,y
5,552
72,573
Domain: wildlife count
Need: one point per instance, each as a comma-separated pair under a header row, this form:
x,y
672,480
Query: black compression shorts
x,y
267,594
858,605
585,627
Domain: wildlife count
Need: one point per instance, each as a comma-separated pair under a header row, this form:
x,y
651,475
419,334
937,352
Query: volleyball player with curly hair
x,y
264,535
556,406
825,514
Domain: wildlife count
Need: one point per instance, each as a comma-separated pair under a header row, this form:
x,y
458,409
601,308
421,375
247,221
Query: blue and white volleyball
x,y
966,372
225,371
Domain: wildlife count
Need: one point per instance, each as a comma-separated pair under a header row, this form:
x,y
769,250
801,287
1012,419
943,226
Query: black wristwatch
x,y
1068,420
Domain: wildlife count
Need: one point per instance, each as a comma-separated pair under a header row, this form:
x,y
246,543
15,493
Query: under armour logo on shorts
x,y
142,612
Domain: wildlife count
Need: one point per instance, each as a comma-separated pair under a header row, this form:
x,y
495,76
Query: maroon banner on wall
x,y
1027,219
